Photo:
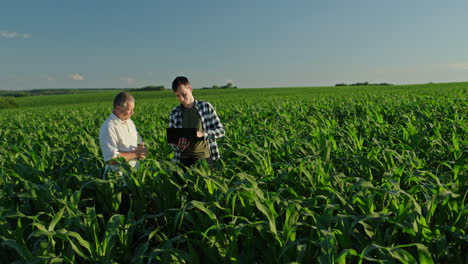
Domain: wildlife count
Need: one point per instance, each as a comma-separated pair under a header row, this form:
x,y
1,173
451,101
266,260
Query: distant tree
x,y
361,84
152,88
228,85
14,93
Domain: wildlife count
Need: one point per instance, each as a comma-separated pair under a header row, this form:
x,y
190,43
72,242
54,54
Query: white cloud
x,y
77,77
50,78
456,66
129,80
10,35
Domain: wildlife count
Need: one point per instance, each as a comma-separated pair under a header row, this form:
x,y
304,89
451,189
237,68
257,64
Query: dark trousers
x,y
188,162
125,203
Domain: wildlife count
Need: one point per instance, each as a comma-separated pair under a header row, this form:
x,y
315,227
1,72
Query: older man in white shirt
x,y
118,135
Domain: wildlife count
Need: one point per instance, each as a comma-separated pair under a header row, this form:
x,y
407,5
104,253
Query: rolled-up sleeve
x,y
108,141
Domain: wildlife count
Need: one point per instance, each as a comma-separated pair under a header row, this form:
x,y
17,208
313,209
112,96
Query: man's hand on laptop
x,y
182,144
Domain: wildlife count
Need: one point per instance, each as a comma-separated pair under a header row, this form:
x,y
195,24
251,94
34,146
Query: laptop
x,y
173,134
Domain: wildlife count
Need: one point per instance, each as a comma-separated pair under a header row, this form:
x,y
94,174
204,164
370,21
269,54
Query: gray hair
x,y
122,99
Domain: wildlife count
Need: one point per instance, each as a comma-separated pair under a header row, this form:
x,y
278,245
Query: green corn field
x,y
307,175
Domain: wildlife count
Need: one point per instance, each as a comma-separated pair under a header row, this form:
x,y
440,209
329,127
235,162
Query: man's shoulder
x,y
105,127
108,123
176,109
204,103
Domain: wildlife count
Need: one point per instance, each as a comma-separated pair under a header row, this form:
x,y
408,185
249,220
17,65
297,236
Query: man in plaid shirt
x,y
197,114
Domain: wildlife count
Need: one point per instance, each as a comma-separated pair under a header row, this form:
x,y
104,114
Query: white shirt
x,y
116,135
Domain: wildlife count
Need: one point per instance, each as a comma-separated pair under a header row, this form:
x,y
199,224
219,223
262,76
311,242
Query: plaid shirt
x,y
212,127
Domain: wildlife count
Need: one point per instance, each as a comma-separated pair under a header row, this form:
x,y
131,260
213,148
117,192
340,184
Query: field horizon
x,y
106,95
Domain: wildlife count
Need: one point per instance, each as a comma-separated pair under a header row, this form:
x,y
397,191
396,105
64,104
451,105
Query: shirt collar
x,y
116,118
181,106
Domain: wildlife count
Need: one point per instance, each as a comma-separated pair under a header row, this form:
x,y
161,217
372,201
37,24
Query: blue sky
x,y
107,44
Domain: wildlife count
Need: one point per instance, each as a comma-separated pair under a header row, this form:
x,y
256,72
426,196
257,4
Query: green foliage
x,y
7,102
307,175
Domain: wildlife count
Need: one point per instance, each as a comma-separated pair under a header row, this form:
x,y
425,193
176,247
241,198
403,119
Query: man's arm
x,y
172,123
214,125
129,155
108,141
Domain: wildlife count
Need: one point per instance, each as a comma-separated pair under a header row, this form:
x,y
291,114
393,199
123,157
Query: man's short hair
x,y
122,99
178,81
